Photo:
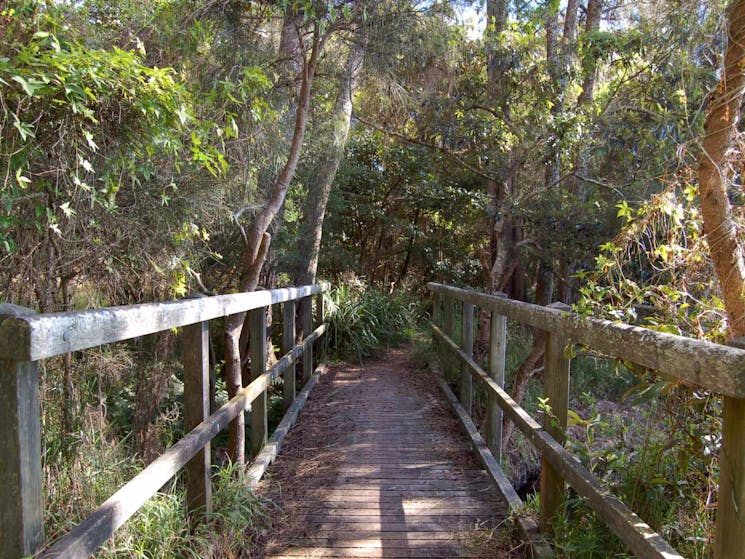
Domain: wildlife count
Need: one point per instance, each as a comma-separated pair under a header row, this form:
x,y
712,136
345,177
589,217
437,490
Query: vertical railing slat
x,y
497,362
197,409
21,512
288,342
556,389
449,325
307,321
257,352
729,542
466,379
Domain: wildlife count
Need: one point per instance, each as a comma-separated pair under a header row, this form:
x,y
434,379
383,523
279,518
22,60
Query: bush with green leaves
x,y
363,320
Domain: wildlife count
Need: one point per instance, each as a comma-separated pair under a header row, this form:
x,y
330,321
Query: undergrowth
x,y
91,447
363,320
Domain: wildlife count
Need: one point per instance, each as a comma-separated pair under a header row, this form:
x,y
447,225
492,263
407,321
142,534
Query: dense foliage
x,y
152,149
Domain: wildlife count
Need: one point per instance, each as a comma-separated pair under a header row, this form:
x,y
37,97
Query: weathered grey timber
x,y
271,450
632,530
307,325
288,341
497,365
377,469
88,536
30,338
257,351
449,326
196,410
466,338
20,452
712,366
527,526
556,389
730,528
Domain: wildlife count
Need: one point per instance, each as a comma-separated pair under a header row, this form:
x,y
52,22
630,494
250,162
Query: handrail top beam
x,y
706,364
34,337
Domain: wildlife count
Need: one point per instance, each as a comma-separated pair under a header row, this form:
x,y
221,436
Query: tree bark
x,y
319,187
589,70
716,170
501,230
543,296
257,241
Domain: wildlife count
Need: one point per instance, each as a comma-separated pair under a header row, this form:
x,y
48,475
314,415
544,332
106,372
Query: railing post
x,y
307,320
257,351
449,328
21,509
436,308
288,342
320,319
497,360
196,409
729,542
466,339
556,389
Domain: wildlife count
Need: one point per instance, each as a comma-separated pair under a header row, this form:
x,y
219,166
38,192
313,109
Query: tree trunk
x,y
256,245
319,187
543,296
589,70
715,172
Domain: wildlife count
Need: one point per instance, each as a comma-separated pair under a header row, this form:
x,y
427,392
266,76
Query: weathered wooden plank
x,y
320,319
30,338
21,513
388,552
527,526
436,308
306,307
466,380
257,351
196,410
632,530
288,341
497,365
716,367
88,536
729,541
556,389
449,327
271,450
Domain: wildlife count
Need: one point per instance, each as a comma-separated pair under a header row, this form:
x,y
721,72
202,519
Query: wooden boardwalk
x,y
378,467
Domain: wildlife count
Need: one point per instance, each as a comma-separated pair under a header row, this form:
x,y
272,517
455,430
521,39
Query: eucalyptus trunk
x,y
257,240
319,186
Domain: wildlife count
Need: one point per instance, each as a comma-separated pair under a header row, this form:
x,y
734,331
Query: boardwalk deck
x,y
377,467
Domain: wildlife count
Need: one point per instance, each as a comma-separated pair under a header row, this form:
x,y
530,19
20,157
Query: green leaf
x,y
24,129
22,180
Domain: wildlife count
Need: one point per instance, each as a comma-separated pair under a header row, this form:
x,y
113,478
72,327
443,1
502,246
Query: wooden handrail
x,y
26,337
90,534
712,366
631,529
34,337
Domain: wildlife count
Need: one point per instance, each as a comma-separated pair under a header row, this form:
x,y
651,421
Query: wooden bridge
x,y
377,466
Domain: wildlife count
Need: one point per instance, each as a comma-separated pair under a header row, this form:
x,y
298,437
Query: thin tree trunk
x,y
319,188
526,369
716,170
256,247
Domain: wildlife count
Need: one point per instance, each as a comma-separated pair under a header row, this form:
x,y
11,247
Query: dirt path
x,y
377,467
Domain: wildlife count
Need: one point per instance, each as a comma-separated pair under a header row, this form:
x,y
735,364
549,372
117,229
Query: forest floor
x,y
377,467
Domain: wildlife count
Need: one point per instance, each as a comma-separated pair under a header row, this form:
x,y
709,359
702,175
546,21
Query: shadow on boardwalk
x,y
377,467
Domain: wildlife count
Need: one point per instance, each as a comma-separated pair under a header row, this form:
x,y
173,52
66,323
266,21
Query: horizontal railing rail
x,y
714,367
27,338
34,337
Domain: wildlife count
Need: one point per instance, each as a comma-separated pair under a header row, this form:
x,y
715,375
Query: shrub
x,y
362,319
